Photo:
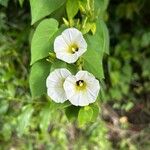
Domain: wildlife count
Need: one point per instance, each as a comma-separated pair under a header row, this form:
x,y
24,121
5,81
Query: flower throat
x,y
80,85
73,48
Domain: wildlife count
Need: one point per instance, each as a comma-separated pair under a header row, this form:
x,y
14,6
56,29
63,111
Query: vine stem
x,y
80,64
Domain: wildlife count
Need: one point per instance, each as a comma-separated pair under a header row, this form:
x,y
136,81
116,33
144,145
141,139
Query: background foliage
x,y
123,121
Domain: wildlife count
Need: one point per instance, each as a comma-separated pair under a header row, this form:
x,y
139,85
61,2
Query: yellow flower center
x,y
80,85
73,48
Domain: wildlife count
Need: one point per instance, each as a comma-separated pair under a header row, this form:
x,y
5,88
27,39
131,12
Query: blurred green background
x,y
124,119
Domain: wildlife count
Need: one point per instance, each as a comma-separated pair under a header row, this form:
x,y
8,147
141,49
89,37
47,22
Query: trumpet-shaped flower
x,y
54,83
70,45
81,89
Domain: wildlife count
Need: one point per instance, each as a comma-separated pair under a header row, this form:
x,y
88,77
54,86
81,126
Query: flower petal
x,y
93,91
69,86
80,99
85,96
62,45
70,34
54,85
80,41
67,57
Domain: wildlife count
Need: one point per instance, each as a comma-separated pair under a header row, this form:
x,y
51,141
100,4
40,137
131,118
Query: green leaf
x,y
24,118
101,5
72,68
93,63
95,109
85,115
41,42
39,72
61,64
105,35
129,106
72,112
4,105
59,106
21,2
6,131
72,8
145,41
42,8
58,64
97,45
45,117
4,2
100,40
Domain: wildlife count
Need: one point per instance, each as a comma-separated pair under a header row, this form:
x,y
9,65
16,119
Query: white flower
x,y
81,89
54,83
70,45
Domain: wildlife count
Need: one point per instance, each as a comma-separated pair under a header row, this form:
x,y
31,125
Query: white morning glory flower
x,y
70,45
81,89
54,83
